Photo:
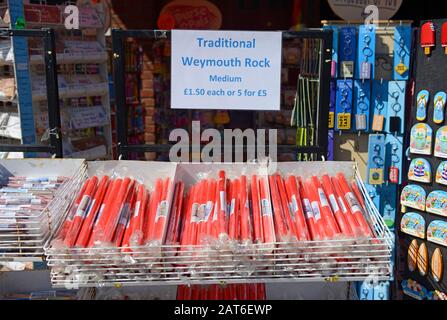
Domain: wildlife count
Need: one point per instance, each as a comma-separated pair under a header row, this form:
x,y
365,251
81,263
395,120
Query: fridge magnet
x,y
439,104
420,139
441,143
413,289
422,102
437,203
413,196
422,259
437,232
420,170
437,265
441,173
413,224
412,255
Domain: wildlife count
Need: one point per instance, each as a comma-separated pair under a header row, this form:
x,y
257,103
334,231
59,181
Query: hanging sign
x,y
355,10
239,70
190,14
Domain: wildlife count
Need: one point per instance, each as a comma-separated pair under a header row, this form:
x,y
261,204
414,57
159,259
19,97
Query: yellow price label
x,y
344,121
331,120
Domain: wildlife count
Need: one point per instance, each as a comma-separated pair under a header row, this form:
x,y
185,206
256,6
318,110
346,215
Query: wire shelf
x,y
223,261
22,238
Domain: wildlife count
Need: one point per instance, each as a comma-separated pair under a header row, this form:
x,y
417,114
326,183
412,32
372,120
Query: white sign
x,y
355,10
226,70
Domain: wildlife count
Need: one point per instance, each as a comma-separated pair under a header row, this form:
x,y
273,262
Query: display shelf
x,y
221,261
23,235
82,73
75,91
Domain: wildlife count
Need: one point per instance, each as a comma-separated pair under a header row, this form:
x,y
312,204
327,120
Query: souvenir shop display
x,y
192,222
82,78
31,204
371,69
425,195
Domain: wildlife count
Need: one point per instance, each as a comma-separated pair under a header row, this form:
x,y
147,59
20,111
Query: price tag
x,y
376,176
344,121
331,120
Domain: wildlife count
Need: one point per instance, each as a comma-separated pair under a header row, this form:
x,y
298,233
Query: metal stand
x,y
54,119
124,148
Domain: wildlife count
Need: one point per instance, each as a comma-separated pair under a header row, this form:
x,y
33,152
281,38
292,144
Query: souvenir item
x,y
376,156
437,295
444,37
362,93
421,139
413,224
420,170
441,173
412,255
413,289
348,47
441,143
344,104
428,37
437,203
380,94
413,196
366,51
439,104
437,265
437,232
397,101
422,102
422,259
393,171
402,48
